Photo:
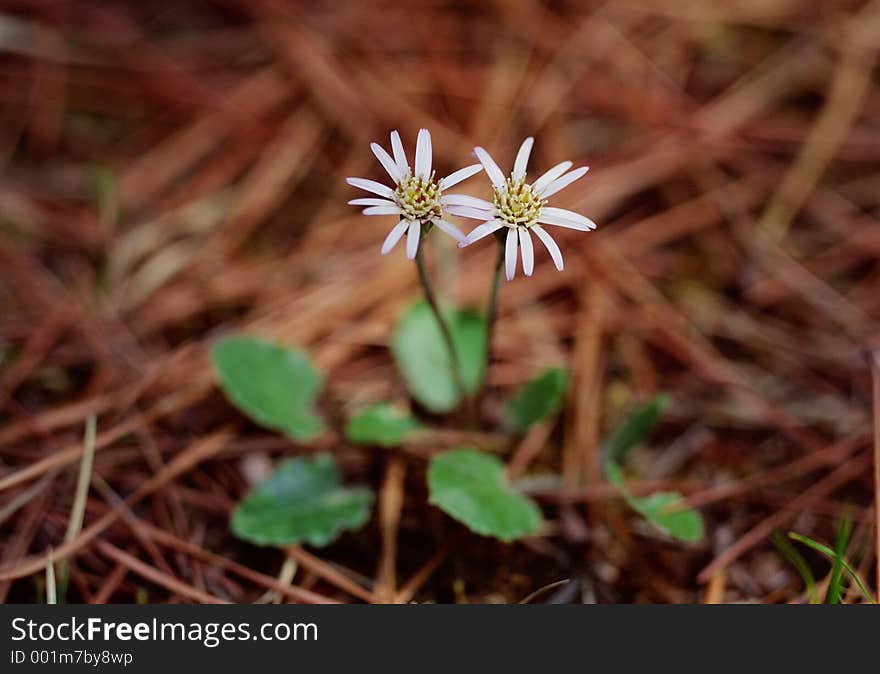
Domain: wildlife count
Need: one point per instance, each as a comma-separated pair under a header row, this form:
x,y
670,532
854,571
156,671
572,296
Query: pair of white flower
x,y
418,200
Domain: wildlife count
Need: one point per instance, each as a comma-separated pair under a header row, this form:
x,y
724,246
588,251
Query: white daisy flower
x,y
521,207
417,197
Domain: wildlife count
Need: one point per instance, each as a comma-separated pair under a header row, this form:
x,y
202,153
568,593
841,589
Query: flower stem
x,y
444,328
492,313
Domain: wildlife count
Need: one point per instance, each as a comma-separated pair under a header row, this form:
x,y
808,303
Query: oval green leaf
x,y
274,386
423,358
537,400
632,431
382,424
301,502
471,487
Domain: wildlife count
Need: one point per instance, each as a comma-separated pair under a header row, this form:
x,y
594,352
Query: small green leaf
x,y
382,424
275,387
301,502
471,487
633,430
662,509
423,358
540,398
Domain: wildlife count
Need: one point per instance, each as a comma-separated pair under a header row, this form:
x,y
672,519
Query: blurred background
x,y
174,171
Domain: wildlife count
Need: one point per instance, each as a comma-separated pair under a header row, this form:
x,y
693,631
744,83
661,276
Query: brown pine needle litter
x,y
175,172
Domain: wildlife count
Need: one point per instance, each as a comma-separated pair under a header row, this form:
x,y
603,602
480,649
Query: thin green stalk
x,y
492,315
454,364
493,304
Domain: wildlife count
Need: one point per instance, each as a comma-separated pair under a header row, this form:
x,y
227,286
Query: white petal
x,y
564,181
450,229
399,154
481,231
568,215
461,174
412,239
551,175
465,200
522,158
468,212
423,154
382,210
492,170
550,244
387,162
528,253
551,219
371,186
370,201
394,236
510,253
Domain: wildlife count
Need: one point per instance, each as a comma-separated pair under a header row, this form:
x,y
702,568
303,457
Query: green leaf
x,y
540,398
423,358
632,431
662,509
832,555
471,487
275,387
382,424
665,511
301,502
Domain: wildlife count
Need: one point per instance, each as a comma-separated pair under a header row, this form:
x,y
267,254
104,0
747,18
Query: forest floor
x,y
174,172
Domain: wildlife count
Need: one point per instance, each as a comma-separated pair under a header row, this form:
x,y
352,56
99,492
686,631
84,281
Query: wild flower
x,y
417,196
521,207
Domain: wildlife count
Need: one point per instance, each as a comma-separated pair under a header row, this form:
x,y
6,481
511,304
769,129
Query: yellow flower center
x,y
418,197
517,204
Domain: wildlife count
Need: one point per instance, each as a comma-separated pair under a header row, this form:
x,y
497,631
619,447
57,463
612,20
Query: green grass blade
x,y
832,555
834,584
796,559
